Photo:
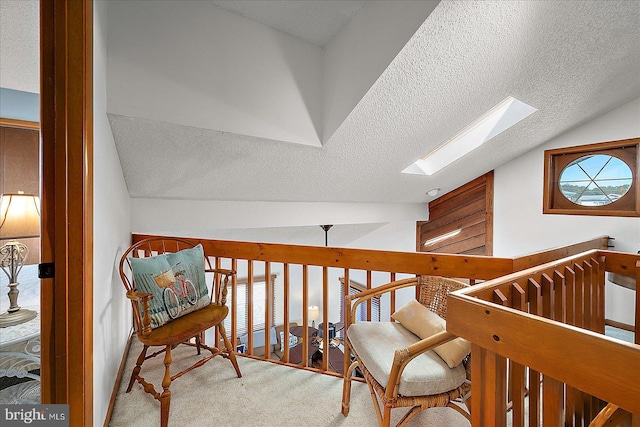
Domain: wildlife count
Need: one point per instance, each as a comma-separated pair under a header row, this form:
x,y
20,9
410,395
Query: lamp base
x,y
16,317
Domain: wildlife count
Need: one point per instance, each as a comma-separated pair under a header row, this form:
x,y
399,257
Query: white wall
x,y
364,48
200,65
393,236
200,218
112,313
521,228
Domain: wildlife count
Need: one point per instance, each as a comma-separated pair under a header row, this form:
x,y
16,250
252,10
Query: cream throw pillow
x,y
453,352
424,323
419,319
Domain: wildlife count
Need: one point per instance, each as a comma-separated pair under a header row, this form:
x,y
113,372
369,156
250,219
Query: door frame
x,y
19,124
66,118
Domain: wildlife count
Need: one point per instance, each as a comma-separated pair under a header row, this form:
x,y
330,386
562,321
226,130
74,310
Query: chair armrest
x,y
142,321
139,296
220,271
425,345
403,356
221,294
363,296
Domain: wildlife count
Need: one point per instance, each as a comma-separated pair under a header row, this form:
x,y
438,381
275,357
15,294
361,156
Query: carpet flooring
x,y
267,395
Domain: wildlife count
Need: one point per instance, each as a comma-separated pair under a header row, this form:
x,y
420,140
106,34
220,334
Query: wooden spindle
x,y
516,370
559,296
325,318
305,314
579,295
286,298
369,302
249,307
535,307
268,303
552,401
547,295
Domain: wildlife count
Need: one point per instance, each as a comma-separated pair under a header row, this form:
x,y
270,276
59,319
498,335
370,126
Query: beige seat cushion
x,y
427,374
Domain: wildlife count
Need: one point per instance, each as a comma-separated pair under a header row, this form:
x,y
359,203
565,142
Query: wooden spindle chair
x,y
181,330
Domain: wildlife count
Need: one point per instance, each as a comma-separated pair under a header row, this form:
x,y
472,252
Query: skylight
x,y
495,121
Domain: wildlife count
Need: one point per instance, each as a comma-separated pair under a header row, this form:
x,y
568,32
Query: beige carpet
x,y
266,395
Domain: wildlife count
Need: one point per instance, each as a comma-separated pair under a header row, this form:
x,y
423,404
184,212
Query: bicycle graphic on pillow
x,y
176,288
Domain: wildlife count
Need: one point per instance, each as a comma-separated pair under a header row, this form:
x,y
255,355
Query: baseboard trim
x,y
116,385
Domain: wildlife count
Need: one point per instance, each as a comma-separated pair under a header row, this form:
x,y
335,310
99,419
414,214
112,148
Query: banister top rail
x,y
485,290
473,267
467,266
525,261
615,262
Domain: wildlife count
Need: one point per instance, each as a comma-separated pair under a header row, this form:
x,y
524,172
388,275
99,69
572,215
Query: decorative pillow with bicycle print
x,y
176,281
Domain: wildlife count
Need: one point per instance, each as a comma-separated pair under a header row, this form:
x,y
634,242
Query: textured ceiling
x,y
19,45
572,60
313,21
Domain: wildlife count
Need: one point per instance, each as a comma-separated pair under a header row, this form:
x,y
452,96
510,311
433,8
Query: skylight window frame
x,y
506,114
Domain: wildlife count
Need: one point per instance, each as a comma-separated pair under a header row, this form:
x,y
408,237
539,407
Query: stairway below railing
x,y
540,356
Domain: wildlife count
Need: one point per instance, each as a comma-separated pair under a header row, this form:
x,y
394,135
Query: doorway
x,y
19,257
66,208
66,117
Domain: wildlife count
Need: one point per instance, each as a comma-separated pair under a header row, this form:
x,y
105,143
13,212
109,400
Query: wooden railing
x,y
307,272
539,333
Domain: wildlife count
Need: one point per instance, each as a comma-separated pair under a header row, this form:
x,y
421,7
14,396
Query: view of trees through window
x,y
595,180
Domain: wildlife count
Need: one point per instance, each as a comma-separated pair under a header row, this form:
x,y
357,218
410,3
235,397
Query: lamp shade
x,y
19,216
314,312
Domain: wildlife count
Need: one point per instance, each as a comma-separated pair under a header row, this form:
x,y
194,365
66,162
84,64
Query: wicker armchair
x,y
182,329
390,349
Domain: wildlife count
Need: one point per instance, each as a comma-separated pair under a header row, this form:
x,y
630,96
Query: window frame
x,y
361,315
554,202
242,286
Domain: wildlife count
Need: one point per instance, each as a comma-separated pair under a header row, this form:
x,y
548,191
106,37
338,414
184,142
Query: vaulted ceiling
x,y
572,60
440,70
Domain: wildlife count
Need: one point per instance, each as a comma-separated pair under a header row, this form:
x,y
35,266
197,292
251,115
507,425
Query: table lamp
x,y
19,219
314,314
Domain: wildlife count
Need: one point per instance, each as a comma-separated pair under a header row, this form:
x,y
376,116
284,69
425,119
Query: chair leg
x,y
346,389
136,370
198,343
230,350
460,409
386,418
410,414
165,397
376,404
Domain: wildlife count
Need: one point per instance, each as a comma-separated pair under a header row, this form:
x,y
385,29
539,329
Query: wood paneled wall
x,y
20,168
469,209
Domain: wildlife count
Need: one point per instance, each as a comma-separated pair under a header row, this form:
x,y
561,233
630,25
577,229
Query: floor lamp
x,y
19,219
